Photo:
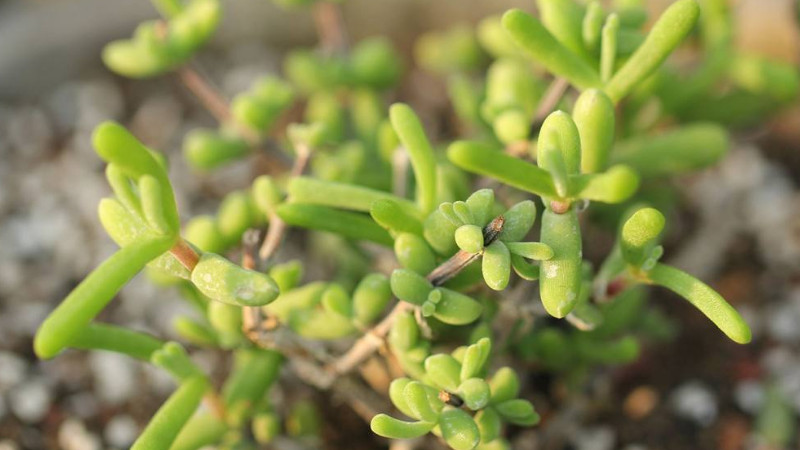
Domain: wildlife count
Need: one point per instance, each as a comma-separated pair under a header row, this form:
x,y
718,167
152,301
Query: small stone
x,y
694,401
83,405
594,438
73,436
115,378
121,431
640,402
13,372
30,401
7,444
749,395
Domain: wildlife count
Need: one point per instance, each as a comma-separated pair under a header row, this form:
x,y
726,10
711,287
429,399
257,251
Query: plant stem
x,y
211,98
277,227
216,104
185,254
374,338
558,87
330,27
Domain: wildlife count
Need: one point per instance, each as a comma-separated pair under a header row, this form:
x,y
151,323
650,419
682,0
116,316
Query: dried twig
x,y
330,27
209,96
277,227
551,97
373,339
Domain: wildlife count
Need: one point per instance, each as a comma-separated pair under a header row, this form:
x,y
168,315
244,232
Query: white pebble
x,y
115,377
73,436
694,401
30,401
121,431
13,371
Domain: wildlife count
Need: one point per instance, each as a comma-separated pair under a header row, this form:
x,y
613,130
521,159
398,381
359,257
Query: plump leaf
x,y
531,250
640,235
469,238
486,160
518,412
414,253
459,430
346,224
172,416
409,286
456,308
685,149
707,300
412,136
615,185
560,279
475,357
392,216
504,385
668,31
391,428
229,283
518,221
475,392
86,301
370,298
534,38
496,266
444,371
594,116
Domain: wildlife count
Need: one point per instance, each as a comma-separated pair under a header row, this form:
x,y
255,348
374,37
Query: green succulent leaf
x,y
86,301
475,357
489,424
346,224
469,238
208,149
455,308
444,371
615,185
485,159
594,117
416,398
412,136
534,38
496,265
640,234
517,221
531,250
97,336
164,427
685,149
392,216
475,392
707,300
459,430
410,287
668,31
404,333
518,412
391,428
560,280
221,280
370,298
504,385
414,253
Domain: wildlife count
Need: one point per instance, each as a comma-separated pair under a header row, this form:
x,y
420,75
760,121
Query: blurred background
x,y
739,230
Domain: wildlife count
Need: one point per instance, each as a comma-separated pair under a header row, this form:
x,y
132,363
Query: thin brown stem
x,y
208,95
551,97
277,227
373,338
185,254
330,27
